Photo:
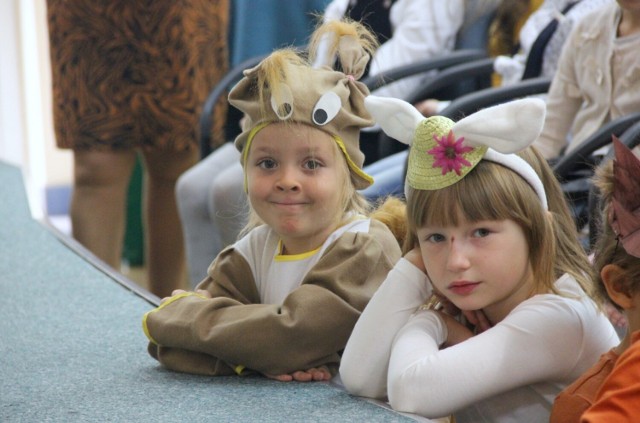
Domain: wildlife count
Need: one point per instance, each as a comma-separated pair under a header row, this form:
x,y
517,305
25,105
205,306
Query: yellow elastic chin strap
x,y
245,150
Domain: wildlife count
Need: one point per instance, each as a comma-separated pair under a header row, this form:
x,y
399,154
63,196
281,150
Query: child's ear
x,y
615,281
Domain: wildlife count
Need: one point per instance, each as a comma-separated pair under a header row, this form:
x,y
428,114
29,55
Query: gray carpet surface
x,y
72,347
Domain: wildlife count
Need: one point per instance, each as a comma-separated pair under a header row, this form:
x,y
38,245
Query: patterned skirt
x,y
135,74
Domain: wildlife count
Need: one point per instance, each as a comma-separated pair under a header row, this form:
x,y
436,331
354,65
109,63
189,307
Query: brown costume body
x,y
233,330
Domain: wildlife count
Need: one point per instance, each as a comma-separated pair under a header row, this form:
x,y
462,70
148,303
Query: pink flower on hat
x,y
448,153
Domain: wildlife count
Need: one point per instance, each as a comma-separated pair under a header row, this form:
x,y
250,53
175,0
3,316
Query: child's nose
x,y
458,258
287,179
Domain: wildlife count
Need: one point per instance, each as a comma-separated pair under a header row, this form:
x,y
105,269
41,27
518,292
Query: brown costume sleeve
x,y
189,361
309,329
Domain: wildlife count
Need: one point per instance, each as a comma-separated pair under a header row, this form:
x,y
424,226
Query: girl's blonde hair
x,y
608,249
494,192
331,31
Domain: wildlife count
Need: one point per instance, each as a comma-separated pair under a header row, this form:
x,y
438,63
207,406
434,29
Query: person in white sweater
x,y
597,78
490,234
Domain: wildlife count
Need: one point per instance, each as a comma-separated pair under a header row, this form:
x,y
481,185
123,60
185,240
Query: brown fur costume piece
x,y
132,74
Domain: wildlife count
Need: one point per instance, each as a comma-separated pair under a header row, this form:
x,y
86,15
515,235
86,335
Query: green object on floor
x,y
133,249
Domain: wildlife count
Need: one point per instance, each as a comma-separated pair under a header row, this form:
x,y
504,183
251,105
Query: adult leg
x,y
164,241
193,192
98,201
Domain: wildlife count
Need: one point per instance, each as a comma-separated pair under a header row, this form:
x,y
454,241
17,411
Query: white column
x,y
26,123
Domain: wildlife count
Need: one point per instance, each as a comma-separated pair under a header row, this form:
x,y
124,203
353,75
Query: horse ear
x,y
396,117
507,128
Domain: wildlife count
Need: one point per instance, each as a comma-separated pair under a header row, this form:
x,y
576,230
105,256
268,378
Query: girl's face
x,y
295,183
482,265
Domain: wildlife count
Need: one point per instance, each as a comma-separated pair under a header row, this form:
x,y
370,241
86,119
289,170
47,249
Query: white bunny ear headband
x,y
443,152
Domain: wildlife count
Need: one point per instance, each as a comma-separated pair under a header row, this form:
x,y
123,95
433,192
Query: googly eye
x,y
326,108
284,109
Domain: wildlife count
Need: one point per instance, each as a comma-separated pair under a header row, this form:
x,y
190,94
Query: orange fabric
x,y
618,399
577,397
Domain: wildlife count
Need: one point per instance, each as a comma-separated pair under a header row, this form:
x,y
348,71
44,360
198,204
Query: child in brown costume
x,y
283,300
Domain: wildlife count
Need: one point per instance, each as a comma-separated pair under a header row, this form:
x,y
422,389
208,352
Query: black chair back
x,y
221,88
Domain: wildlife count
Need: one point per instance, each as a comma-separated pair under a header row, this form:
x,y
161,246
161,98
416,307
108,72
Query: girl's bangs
x,y
490,192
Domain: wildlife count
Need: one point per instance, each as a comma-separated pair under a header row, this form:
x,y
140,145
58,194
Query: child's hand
x,y
415,257
445,304
173,294
478,319
456,331
428,107
313,374
616,318
202,292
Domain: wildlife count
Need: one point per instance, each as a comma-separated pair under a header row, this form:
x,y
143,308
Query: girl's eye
x,y
481,233
267,164
312,164
435,238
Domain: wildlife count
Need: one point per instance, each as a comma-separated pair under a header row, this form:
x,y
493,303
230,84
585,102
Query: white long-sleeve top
x,y
421,29
508,373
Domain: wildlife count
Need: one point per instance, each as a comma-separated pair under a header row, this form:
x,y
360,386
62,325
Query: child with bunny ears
x,y
487,238
282,300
